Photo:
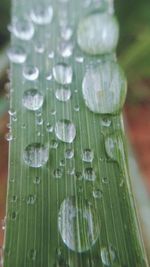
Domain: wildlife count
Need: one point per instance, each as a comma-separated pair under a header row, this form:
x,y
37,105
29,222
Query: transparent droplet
x,y
58,173
12,112
32,254
63,94
49,77
37,180
31,199
17,54
97,193
14,198
78,175
51,54
104,88
69,153
77,224
76,108
36,155
39,120
39,47
66,33
63,73
54,144
87,155
79,59
108,255
42,15
13,215
114,146
9,136
49,127
106,122
89,174
65,131
62,163
98,34
105,180
33,99
65,49
30,72
23,29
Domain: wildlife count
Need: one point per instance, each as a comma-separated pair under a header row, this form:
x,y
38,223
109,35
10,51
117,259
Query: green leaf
x,y
69,199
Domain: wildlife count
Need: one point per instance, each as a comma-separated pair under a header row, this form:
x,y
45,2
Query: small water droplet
x,y
39,120
97,193
62,163
23,29
54,144
9,136
114,146
89,174
108,255
30,72
104,88
49,127
31,199
17,54
76,108
63,73
33,99
14,198
12,112
105,180
65,49
53,112
106,122
58,173
37,180
49,77
87,155
69,153
36,155
77,224
63,94
79,59
51,54
98,34
42,15
66,33
39,47
13,215
32,254
78,175
65,131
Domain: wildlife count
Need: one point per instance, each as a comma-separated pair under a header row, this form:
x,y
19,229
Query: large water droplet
x,y
63,94
23,29
17,54
63,73
104,88
98,34
30,72
89,174
42,15
32,99
65,131
114,146
77,223
36,155
108,255
87,155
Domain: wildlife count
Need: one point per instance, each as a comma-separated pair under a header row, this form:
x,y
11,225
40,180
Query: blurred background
x,y
134,56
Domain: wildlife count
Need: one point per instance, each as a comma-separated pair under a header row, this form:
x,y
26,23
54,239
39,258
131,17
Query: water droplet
x,y
32,99
114,146
78,175
12,112
97,193
39,120
65,49
31,199
79,59
17,54
69,153
32,254
49,128
62,163
9,136
89,174
58,173
87,155
66,33
76,108
49,77
105,180
108,255
30,72
77,223
42,15
3,223
37,180
51,54
36,155
63,94
13,215
14,198
23,29
65,131
39,47
104,88
98,34
54,144
106,122
63,73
